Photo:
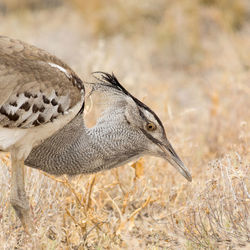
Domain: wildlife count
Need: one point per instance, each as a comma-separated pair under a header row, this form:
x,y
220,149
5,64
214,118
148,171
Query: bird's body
x,y
37,97
41,121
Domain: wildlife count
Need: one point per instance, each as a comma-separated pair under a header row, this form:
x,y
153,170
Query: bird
x,y
42,122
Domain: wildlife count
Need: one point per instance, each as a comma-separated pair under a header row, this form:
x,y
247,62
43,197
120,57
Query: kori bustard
x,y
42,126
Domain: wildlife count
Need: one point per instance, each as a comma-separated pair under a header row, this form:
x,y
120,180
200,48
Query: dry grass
x,y
190,63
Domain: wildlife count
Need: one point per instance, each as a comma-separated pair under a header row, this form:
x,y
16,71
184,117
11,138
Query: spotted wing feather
x,y
35,87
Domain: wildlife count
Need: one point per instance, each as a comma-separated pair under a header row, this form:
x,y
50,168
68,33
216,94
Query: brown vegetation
x,y
190,63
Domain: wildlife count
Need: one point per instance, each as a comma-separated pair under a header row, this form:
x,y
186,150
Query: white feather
x,y
9,137
60,68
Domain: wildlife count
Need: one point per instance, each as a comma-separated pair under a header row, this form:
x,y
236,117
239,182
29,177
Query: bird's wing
x,y
35,87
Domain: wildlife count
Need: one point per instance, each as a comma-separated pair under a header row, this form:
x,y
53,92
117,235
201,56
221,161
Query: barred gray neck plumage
x,y
76,149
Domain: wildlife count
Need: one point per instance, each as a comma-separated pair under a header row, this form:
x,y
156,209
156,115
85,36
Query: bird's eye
x,y
151,126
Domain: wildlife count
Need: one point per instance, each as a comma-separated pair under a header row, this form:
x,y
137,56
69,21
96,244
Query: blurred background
x,y
189,61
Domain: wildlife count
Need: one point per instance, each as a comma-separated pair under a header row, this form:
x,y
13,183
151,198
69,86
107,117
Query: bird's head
x,y
141,118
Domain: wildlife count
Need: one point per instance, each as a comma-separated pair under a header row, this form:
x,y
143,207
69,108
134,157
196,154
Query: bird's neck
x,y
77,149
111,144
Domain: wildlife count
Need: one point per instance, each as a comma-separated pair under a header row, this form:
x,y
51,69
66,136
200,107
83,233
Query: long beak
x,y
175,161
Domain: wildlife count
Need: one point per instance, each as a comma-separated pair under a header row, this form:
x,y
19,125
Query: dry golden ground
x,y
190,63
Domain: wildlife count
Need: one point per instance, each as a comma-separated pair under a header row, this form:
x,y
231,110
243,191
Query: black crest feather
x,y
109,80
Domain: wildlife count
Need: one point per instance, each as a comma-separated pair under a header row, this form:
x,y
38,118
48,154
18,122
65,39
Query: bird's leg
x,y
18,197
